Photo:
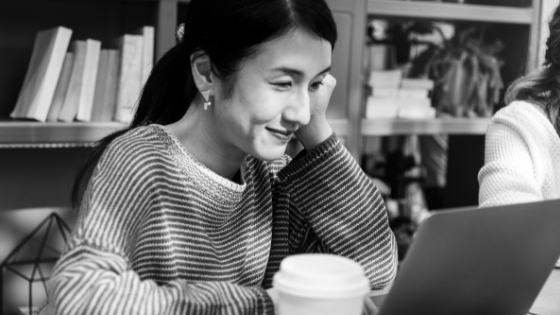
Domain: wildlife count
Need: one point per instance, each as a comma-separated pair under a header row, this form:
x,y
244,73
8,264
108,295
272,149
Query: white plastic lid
x,y
321,276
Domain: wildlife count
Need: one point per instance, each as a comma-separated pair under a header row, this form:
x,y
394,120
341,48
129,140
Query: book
x,y
378,57
87,93
381,108
69,106
423,84
379,92
79,96
61,87
148,34
385,78
37,92
105,98
130,76
420,110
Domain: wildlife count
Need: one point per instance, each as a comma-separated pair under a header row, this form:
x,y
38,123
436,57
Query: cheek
x,y
260,106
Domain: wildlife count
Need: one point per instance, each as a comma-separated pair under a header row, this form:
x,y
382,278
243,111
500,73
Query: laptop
x,y
478,261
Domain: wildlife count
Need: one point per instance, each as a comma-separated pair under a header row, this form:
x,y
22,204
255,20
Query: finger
x,y
329,81
369,307
274,296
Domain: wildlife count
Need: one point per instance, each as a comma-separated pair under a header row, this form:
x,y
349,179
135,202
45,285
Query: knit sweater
x,y
159,233
522,157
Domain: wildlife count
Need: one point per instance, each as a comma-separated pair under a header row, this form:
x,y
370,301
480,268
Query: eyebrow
x,y
295,72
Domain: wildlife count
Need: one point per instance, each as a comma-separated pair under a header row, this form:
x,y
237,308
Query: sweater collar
x,y
212,185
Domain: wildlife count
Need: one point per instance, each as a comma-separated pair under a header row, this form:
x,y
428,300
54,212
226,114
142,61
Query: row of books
x,y
393,96
76,80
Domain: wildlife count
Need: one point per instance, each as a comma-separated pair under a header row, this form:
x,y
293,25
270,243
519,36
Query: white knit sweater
x,y
522,157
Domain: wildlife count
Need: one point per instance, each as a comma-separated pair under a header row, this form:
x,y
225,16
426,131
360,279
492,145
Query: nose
x,y
298,110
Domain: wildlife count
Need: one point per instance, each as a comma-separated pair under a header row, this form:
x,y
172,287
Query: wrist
x,y
314,133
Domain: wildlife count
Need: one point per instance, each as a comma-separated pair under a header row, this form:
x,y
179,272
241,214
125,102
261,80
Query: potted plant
x,y
466,73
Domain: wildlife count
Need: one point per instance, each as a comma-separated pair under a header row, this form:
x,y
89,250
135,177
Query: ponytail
x,y
170,88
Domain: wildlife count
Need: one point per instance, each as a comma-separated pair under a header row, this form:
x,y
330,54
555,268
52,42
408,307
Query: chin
x,y
270,153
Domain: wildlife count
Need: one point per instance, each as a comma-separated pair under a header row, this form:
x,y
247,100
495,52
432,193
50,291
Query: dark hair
x,y
542,86
229,32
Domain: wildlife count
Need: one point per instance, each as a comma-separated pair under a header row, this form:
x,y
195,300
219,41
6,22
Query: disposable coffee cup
x,y
320,284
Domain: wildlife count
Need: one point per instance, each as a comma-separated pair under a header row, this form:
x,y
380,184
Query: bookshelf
x,y
387,127
451,11
512,15
517,24
345,111
38,161
23,19
520,18
30,134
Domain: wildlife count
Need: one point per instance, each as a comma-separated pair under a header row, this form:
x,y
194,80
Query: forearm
x,y
343,209
97,282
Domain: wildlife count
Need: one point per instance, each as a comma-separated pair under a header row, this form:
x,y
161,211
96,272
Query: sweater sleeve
x,y
508,174
335,208
95,275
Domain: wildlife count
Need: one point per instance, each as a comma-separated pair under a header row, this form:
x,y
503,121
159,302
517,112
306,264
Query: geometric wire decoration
x,y
45,254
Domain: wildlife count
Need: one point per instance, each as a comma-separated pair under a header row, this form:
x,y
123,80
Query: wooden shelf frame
x,y
28,134
451,11
34,134
387,127
18,134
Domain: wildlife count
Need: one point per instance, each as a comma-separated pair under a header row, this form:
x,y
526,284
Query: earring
x,y
207,102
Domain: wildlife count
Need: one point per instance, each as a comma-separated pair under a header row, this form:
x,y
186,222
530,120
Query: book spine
x,y
148,52
42,74
89,76
106,86
112,86
30,84
54,68
100,86
72,97
130,77
61,87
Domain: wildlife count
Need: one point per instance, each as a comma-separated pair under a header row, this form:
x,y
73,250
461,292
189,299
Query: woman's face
x,y
273,95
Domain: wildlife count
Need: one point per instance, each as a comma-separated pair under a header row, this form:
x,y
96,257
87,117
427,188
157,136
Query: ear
x,y
202,71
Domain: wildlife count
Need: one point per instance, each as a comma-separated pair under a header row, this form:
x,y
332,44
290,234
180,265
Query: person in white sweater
x,y
522,148
522,157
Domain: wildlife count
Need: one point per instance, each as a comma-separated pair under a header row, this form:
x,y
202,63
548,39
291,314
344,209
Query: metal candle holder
x,y
37,273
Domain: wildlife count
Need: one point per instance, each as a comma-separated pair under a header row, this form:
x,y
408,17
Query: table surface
x,y
546,303
548,300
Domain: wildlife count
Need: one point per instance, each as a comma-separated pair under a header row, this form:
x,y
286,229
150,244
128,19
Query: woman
x,y
191,209
522,154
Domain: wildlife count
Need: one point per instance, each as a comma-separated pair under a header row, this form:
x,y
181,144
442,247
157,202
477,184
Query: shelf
x,y
27,134
23,134
386,127
451,11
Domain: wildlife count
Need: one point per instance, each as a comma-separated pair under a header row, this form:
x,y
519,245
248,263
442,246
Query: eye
x,y
315,86
283,84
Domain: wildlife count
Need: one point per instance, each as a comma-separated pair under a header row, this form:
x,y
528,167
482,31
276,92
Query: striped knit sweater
x,y
159,233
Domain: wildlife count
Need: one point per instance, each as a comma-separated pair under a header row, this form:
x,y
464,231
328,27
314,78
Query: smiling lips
x,y
284,135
